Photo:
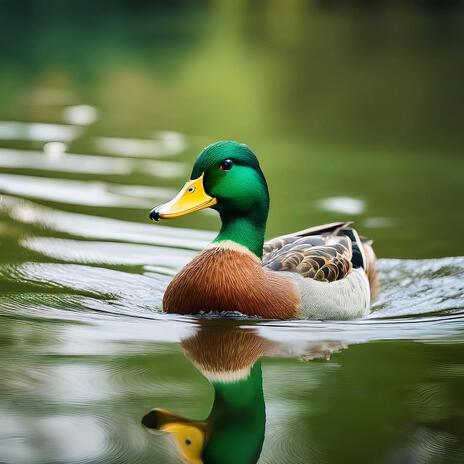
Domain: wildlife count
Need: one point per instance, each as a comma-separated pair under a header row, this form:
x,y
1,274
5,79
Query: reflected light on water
x,y
379,222
107,252
168,144
54,149
80,115
37,131
345,205
72,438
82,225
86,164
76,192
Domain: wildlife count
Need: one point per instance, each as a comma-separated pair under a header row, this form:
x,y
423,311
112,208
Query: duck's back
x,y
333,267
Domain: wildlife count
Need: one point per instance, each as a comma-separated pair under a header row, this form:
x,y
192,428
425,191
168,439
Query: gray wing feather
x,y
321,253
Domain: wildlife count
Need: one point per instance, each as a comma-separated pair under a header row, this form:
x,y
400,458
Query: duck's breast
x,y
223,279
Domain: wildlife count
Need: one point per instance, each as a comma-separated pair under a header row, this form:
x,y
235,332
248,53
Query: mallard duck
x,y
324,272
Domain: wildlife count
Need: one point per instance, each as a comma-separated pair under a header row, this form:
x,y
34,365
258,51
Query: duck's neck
x,y
238,416
235,394
245,230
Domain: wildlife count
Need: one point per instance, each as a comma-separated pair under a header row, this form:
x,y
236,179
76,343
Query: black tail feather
x,y
358,258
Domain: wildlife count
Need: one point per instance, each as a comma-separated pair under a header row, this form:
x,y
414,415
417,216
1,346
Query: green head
x,y
227,177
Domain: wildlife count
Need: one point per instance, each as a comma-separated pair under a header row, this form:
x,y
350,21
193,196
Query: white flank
x,y
348,298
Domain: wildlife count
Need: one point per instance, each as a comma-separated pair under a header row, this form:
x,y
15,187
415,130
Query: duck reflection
x,y
234,430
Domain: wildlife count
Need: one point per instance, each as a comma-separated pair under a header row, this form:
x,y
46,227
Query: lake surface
x,y
101,120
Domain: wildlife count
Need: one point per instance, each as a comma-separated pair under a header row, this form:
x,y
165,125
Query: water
x,y
99,129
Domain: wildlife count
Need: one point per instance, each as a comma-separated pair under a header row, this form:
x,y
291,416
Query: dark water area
x,y
355,113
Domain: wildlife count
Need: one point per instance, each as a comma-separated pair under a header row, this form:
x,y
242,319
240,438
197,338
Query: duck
x,y
234,429
326,272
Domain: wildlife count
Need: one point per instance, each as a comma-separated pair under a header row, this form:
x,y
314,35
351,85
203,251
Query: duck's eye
x,y
188,442
226,165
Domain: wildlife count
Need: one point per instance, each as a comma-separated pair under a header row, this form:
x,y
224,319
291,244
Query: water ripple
x,y
75,192
81,225
38,131
168,143
108,252
48,160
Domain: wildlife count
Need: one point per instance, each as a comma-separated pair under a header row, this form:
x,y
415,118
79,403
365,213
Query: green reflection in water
x,y
234,429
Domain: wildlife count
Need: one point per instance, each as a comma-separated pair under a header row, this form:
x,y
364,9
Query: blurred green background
x,y
355,99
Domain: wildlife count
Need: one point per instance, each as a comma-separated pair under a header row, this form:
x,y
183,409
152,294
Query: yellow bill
x,y
190,440
191,198
189,436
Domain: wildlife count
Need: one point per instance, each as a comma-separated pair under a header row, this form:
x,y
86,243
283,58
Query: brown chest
x,y
227,280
